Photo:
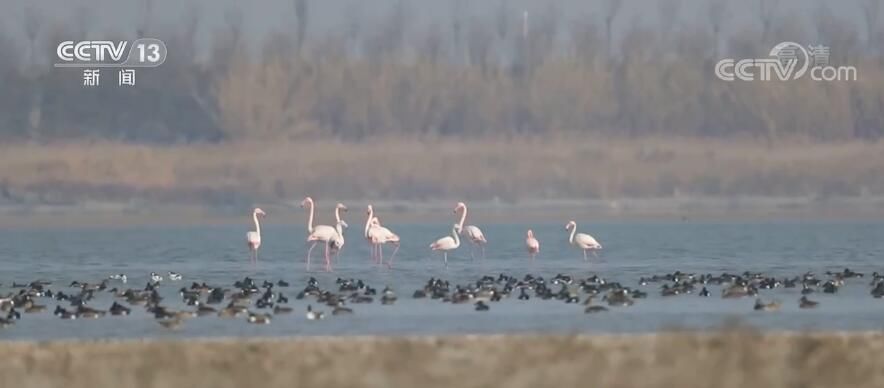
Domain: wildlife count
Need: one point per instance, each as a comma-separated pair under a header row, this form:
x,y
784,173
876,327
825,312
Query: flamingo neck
x,y
337,215
456,238
310,218
257,224
368,222
463,217
573,232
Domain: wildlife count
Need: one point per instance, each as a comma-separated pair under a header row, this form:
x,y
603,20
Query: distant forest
x,y
494,75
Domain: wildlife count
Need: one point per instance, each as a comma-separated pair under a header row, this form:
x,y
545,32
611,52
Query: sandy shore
x,y
727,359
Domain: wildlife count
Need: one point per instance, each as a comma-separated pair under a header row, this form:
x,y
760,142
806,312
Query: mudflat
x,y
730,358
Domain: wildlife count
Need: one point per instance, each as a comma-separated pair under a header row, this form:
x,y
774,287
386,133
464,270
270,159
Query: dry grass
x,y
728,359
421,170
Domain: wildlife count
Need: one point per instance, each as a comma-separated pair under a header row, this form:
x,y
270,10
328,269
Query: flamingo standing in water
x,y
531,244
448,243
253,238
319,233
473,233
377,236
337,242
380,236
582,240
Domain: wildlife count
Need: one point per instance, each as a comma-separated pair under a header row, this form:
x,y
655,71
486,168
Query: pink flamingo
x,y
253,238
582,240
448,243
532,244
337,242
319,233
473,233
380,236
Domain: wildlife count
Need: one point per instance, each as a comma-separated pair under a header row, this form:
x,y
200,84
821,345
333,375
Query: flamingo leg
x,y
584,255
327,258
380,253
256,255
445,254
308,254
390,263
483,251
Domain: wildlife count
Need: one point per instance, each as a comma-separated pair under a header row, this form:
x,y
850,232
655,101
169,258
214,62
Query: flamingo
x,y
253,238
473,233
582,240
337,242
322,233
448,243
532,244
380,236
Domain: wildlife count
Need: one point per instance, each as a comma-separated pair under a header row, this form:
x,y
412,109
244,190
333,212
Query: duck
x,y
259,319
155,277
203,310
481,306
282,298
389,296
704,292
807,303
6,322
64,314
174,276
121,277
90,313
282,283
171,324
341,310
118,309
761,306
279,310
314,315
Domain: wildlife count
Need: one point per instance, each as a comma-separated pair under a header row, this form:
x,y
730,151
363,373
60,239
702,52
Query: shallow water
x,y
218,256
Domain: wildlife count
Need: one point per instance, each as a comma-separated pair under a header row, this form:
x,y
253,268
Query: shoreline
x,y
733,357
703,209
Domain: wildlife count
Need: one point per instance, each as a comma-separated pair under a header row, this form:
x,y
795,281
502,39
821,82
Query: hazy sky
x,y
263,16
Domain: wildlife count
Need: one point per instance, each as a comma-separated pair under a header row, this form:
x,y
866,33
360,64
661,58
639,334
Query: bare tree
x,y
32,26
717,10
301,16
872,12
611,10
767,10
503,20
144,24
479,43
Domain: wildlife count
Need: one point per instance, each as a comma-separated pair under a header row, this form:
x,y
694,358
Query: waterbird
x,y
175,276
314,315
259,319
807,303
121,277
389,296
172,323
340,309
278,310
447,243
531,244
761,306
473,233
155,277
253,238
481,306
377,236
319,233
582,241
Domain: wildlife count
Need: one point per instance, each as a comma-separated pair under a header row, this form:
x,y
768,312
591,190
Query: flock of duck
x,y
377,236
258,302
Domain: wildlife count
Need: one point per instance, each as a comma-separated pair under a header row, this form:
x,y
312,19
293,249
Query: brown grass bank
x,y
397,169
729,359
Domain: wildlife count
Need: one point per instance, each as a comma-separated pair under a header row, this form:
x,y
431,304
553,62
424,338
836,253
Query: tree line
x,y
495,75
